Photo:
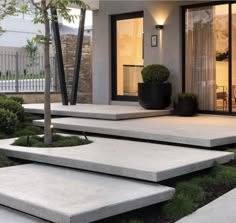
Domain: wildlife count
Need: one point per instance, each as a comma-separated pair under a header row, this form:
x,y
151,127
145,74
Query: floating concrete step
x,y
221,210
8,215
110,112
64,195
205,131
138,160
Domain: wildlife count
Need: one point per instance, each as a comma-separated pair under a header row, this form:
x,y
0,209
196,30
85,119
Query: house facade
x,y
195,40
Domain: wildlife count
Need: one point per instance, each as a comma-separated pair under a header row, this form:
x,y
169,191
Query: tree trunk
x,y
47,103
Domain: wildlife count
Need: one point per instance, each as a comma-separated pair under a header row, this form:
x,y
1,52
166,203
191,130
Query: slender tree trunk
x,y
47,103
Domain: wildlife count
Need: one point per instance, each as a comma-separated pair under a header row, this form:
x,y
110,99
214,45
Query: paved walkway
x,y
64,195
221,210
146,161
202,130
109,112
8,215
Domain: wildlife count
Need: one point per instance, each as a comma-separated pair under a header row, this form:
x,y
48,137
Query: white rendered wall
x,y
168,53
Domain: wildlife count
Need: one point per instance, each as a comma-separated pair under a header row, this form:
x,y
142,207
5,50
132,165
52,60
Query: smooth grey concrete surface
x,y
146,161
221,210
109,112
8,215
202,130
64,195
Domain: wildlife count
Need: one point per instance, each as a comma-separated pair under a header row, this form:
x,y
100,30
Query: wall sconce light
x,y
159,27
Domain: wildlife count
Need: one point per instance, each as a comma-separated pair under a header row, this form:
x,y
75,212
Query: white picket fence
x,y
21,73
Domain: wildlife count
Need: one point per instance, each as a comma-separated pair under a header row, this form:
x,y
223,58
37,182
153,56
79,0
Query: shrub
x,y
20,100
8,121
13,106
155,73
181,95
3,96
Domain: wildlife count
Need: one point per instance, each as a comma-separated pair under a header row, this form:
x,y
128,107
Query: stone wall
x,y
85,79
36,97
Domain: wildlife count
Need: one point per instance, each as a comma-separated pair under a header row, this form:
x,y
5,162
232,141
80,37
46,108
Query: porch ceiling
x,y
93,4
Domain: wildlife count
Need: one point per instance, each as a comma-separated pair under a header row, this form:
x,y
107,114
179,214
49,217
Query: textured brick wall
x,y
85,80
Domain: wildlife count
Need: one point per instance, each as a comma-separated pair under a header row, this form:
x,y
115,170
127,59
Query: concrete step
x,y
109,112
221,210
64,195
202,130
8,215
146,161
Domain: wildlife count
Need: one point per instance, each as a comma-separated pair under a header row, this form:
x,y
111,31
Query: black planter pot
x,y
154,96
186,106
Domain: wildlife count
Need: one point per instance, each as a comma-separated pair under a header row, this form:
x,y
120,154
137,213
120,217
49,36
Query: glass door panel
x,y
129,55
233,57
207,51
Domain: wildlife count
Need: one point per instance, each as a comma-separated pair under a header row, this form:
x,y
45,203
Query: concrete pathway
x,y
110,112
202,130
221,210
146,161
64,195
8,215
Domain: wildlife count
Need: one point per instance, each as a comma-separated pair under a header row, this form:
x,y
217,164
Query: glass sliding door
x,y
127,55
233,9
207,55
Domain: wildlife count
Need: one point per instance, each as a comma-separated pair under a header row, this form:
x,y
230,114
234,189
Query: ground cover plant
x,y
58,141
192,192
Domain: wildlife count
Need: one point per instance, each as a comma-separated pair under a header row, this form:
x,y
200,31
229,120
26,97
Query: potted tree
x,y
155,91
185,104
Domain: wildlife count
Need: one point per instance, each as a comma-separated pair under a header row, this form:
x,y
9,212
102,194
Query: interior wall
x,y
168,52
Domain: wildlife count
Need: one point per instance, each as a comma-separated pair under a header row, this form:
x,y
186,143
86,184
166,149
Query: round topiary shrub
x,y
155,73
8,121
12,106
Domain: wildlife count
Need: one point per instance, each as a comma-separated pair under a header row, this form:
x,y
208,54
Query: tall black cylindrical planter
x,y
186,106
154,96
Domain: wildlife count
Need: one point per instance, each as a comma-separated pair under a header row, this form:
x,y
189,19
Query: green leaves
x,y
7,7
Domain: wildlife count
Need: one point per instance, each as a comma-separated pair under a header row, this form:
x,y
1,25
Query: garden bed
x,y
192,192
57,141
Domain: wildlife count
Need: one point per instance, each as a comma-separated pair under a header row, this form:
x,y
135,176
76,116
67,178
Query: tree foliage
x,y
7,7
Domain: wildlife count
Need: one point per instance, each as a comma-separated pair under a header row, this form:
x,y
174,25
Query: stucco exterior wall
x,y
168,53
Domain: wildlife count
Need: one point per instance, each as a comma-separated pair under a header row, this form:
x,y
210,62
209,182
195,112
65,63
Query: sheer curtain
x,y
201,56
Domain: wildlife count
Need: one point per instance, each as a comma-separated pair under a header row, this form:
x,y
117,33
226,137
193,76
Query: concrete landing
x,y
109,112
8,215
64,195
202,130
221,210
138,160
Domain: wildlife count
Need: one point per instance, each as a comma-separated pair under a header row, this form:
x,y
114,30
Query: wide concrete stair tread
x,y
139,160
8,215
64,195
202,130
221,210
109,112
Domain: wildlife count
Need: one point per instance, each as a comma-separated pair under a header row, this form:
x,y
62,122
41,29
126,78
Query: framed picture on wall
x,y
154,40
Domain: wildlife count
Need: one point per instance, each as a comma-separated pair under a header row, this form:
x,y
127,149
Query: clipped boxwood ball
x,y
155,73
